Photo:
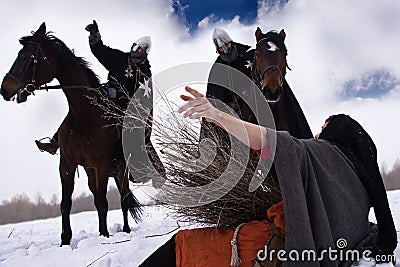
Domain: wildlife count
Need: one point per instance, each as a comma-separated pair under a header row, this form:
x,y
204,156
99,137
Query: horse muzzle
x,y
272,96
22,96
271,77
10,86
4,94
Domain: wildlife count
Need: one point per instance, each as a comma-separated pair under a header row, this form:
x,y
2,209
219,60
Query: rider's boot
x,y
50,147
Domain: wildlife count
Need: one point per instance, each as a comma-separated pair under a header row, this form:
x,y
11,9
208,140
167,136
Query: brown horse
x,y
268,72
83,138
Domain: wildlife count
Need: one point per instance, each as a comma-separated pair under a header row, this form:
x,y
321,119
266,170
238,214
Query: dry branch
x,y
182,155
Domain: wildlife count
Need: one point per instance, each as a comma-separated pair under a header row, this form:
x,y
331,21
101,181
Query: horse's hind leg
x,y
98,185
123,187
67,173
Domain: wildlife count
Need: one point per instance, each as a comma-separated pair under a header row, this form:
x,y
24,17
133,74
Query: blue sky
x,y
373,85
192,12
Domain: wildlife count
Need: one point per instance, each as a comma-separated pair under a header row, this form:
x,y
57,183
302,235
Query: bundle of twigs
x,y
191,164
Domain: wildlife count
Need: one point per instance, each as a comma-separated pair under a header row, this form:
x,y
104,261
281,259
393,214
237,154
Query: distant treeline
x,y
392,178
20,208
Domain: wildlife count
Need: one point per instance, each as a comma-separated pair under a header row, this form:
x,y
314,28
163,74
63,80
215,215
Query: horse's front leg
x,y
122,181
100,198
67,173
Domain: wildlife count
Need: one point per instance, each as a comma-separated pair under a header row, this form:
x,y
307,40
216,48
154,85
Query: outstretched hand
x,y
92,27
198,106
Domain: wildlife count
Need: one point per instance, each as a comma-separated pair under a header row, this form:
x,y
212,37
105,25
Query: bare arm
x,y
198,106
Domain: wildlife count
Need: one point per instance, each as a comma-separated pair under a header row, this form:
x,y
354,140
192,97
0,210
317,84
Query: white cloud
x,y
205,23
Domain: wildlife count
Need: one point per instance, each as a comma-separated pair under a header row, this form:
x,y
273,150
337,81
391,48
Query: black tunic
x,y
122,71
242,64
225,76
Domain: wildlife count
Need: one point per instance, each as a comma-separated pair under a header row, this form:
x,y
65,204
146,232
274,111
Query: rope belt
x,y
235,260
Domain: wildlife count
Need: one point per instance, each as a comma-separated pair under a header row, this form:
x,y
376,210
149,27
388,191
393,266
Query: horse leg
x,y
123,187
67,173
102,205
100,201
99,181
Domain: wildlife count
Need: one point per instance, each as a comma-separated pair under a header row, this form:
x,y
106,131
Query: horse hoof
x,y
106,234
65,239
65,243
126,229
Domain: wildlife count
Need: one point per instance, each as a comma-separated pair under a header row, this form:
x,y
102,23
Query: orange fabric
x,y
211,247
276,215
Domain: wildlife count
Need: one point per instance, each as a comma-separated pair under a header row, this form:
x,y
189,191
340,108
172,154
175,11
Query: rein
x,y
30,89
23,93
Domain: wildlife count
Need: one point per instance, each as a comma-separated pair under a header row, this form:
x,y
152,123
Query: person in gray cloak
x,y
328,185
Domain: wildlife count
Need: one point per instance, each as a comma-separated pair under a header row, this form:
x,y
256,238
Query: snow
x,y
36,243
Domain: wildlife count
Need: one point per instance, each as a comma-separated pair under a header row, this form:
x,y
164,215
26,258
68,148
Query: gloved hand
x,y
92,27
94,36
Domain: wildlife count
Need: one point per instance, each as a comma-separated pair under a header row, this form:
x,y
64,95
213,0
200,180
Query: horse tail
x,y
134,206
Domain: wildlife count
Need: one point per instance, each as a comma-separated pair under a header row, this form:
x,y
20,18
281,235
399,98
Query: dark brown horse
x,y
83,138
268,72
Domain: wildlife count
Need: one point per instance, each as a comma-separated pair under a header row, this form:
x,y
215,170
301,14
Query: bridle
x,y
258,75
31,87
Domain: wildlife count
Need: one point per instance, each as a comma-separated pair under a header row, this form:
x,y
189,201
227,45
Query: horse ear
x,y
41,32
258,34
282,34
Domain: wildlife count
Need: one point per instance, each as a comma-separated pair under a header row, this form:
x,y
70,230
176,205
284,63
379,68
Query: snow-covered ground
x,y
36,243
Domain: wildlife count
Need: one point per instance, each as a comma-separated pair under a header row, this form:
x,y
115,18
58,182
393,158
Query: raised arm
x,y
198,106
106,55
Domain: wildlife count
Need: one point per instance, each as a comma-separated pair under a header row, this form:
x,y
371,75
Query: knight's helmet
x,y
143,42
220,39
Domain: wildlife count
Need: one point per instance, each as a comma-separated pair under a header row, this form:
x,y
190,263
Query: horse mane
x,y
66,55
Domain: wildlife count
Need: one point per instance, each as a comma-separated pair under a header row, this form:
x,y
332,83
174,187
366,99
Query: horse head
x,y
270,63
32,68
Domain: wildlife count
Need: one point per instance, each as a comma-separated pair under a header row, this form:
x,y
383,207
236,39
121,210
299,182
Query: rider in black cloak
x,y
127,72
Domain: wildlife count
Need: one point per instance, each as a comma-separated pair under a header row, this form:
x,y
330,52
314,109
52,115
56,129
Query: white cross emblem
x,y
249,64
146,88
129,71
